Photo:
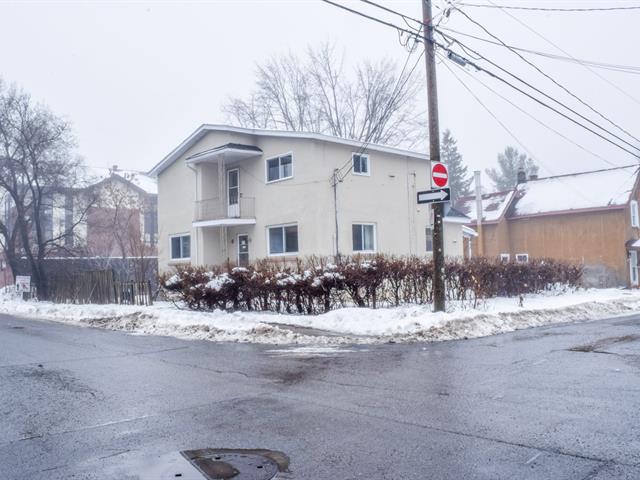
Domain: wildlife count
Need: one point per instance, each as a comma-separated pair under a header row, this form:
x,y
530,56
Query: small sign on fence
x,y
23,283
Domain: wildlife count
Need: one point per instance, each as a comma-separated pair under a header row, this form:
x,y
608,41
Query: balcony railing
x,y
217,209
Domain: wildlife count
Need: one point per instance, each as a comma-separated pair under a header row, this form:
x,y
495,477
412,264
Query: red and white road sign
x,y
439,175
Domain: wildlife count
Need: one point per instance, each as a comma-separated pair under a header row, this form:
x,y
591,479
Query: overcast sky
x,y
136,78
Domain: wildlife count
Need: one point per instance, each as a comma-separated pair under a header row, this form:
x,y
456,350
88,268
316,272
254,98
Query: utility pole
x,y
434,156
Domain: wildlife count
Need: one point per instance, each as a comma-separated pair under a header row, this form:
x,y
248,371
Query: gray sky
x,y
136,78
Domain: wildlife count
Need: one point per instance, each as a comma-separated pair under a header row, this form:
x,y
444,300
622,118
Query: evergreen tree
x,y
505,177
459,178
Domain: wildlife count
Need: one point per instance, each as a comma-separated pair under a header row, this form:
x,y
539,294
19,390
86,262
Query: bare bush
x,y
317,285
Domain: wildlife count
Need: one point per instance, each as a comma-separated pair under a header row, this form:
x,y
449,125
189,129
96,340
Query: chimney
x,y
114,168
522,176
533,176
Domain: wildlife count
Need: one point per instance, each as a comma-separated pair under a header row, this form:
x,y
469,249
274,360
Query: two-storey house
x,y
237,194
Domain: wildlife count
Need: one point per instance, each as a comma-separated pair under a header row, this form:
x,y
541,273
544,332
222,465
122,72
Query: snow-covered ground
x,y
348,325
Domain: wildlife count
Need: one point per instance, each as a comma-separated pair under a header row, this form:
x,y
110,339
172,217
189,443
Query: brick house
x,y
119,229
590,218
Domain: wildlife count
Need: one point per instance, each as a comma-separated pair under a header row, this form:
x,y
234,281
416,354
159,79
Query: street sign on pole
x,y
439,195
439,175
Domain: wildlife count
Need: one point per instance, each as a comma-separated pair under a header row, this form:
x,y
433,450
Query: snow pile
x,y
348,325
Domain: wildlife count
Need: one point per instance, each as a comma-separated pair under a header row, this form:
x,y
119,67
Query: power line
x,y
581,147
507,129
488,72
524,82
535,32
568,185
632,69
549,77
546,9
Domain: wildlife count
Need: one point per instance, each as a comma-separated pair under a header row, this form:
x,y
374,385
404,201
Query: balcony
x,y
216,212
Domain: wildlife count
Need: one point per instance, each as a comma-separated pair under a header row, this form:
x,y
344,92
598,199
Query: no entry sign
x,y
439,175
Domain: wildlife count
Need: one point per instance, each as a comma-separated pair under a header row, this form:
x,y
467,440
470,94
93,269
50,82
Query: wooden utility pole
x,y
434,155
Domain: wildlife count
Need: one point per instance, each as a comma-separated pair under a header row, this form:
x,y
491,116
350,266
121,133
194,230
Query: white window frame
x,y
375,237
635,217
266,168
633,268
525,255
505,257
179,235
285,253
364,155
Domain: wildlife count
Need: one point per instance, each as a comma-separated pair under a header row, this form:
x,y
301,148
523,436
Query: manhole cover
x,y
237,464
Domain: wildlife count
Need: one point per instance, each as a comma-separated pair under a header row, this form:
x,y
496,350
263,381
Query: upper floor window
x,y
279,168
180,247
283,239
360,163
635,220
364,237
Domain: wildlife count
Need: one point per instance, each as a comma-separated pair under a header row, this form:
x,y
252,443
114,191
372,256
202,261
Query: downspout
x,y
335,211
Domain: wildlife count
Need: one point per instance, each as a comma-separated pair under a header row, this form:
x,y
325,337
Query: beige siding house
x,y
237,194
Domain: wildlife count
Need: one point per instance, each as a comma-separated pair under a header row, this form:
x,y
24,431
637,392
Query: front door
x,y
233,193
243,250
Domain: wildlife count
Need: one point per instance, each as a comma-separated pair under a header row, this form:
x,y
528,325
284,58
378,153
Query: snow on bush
x,y
315,286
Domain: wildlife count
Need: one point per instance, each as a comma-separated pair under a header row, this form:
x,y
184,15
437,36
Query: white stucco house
x,y
238,194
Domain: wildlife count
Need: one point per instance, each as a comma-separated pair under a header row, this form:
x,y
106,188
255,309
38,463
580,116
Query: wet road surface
x,y
558,402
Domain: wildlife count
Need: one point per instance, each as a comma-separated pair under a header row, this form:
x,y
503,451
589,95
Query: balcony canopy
x,y
229,152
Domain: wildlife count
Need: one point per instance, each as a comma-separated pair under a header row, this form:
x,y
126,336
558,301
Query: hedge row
x,y
316,285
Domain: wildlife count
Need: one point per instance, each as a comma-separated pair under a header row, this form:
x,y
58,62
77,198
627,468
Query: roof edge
x,y
208,127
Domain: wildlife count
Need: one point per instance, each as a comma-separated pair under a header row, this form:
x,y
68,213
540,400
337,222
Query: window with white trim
x,y
360,163
364,237
633,267
180,247
635,220
522,257
279,168
429,238
282,239
505,257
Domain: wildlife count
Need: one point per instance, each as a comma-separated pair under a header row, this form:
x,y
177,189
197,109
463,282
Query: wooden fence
x,y
98,286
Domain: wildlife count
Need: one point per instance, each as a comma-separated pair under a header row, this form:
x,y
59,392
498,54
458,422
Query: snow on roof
x,y
579,191
494,206
139,179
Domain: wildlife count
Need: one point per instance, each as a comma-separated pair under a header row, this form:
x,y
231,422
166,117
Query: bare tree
x,y
314,93
117,224
37,174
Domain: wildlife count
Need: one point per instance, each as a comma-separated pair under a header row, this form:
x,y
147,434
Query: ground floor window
x,y
283,239
522,257
364,237
180,247
505,257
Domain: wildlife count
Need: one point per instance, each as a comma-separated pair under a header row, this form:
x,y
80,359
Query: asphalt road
x,y
81,403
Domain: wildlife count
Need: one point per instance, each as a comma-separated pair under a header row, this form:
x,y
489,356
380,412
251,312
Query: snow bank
x,y
348,325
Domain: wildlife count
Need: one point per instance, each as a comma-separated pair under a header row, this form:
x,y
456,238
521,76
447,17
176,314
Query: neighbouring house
x,y
239,195
590,218
107,221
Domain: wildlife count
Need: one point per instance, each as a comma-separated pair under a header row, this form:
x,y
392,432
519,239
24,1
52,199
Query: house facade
x,y
239,195
588,218
108,220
